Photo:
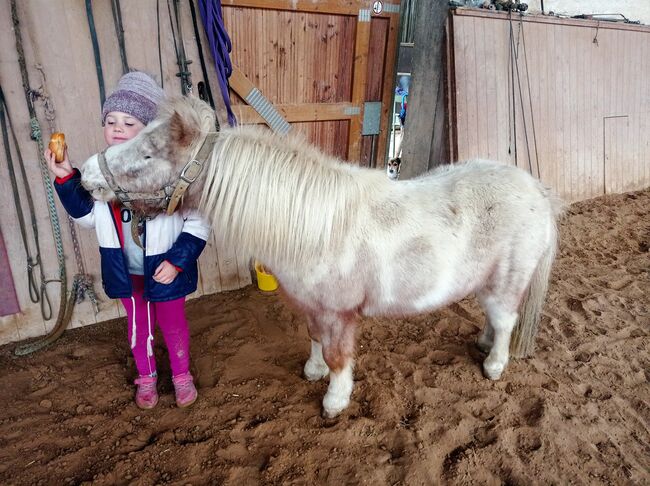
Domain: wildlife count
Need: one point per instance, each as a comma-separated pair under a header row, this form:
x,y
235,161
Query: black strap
x,y
205,93
119,32
96,53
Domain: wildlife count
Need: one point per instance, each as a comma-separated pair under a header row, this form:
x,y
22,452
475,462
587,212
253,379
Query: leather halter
x,y
168,197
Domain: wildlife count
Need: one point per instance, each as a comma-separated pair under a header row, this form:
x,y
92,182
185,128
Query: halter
x,y
166,198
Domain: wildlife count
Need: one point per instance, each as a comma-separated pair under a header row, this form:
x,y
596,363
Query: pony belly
x,y
404,305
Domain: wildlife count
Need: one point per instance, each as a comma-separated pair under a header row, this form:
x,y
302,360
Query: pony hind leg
x,y
501,320
316,368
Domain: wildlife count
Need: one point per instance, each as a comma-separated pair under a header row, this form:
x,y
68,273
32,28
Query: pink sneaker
x,y
146,396
185,390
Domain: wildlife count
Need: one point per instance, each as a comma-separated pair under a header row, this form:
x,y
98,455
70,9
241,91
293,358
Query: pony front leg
x,y
502,322
337,340
338,393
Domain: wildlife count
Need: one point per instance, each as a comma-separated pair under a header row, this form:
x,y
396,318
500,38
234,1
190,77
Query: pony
x,y
345,241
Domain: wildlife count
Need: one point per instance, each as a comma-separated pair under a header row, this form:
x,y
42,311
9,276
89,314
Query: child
x,y
152,282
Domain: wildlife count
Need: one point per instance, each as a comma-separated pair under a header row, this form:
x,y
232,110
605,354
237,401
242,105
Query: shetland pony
x,y
331,232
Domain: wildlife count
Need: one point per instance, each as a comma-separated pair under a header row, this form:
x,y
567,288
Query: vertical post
x,y
359,75
388,91
425,143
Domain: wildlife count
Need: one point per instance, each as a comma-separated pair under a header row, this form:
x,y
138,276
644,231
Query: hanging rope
x,y
36,135
32,261
220,47
119,32
530,99
514,69
96,53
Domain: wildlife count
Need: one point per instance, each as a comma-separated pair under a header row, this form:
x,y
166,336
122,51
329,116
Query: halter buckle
x,y
191,171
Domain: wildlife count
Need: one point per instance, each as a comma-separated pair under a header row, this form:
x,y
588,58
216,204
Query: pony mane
x,y
278,198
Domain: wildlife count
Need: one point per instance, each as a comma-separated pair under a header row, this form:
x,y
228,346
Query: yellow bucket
x,y
265,281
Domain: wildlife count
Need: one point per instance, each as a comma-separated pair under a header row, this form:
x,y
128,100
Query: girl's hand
x,y
62,169
165,273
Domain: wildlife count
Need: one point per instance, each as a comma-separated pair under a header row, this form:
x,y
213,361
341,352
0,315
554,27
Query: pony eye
x,y
147,157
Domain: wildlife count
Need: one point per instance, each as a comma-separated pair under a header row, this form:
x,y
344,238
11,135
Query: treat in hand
x,y
57,146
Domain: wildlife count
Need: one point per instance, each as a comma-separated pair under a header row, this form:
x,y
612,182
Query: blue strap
x,y
220,46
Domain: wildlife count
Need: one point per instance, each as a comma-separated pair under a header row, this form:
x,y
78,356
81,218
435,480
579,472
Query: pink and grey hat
x,y
136,94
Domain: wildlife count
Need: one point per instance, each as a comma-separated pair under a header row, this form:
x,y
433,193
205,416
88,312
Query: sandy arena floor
x,y
422,413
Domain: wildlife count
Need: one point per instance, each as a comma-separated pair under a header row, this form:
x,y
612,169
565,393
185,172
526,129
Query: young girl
x,y
152,282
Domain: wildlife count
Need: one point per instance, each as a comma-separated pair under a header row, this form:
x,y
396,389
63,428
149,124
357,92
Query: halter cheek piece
x,y
168,197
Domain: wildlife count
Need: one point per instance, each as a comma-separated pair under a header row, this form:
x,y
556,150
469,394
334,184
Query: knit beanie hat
x,y
136,94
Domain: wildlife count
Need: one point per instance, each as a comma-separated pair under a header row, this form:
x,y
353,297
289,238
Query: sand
x,y
422,413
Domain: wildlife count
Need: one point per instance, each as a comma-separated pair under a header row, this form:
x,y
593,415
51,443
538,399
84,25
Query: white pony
x,y
344,240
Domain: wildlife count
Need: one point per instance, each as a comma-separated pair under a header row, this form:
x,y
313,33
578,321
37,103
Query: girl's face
x,y
120,127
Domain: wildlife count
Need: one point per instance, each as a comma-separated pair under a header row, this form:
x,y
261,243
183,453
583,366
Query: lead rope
x,y
65,310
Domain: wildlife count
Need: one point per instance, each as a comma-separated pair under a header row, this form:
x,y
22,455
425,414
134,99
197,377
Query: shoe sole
x,y
146,407
185,405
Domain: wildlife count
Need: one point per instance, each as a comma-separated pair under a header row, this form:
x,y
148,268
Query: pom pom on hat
x,y
136,94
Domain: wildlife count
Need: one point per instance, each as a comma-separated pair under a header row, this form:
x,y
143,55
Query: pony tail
x,y
522,342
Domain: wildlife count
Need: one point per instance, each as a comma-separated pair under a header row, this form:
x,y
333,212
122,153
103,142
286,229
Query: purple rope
x,y
220,46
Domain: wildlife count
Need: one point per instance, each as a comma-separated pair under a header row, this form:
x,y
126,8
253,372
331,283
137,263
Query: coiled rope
x,y
65,310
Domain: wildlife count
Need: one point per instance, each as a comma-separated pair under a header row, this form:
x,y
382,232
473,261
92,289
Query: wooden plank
x,y
305,112
209,267
240,83
360,71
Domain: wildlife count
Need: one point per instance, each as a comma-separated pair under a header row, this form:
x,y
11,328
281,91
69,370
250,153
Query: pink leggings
x,y
170,316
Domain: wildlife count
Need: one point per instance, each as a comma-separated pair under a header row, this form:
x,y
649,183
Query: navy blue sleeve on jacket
x,y
75,199
186,251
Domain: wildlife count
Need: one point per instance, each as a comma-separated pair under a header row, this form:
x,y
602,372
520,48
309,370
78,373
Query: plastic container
x,y
265,281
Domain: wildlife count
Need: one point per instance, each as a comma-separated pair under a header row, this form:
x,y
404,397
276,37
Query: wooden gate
x,y
319,63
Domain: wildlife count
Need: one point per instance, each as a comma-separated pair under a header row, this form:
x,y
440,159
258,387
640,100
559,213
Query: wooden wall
x,y
582,113
310,58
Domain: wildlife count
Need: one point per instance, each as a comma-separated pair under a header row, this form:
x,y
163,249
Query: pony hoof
x,y
493,370
330,414
314,372
332,407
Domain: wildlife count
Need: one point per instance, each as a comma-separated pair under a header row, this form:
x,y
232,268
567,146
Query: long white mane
x,y
279,199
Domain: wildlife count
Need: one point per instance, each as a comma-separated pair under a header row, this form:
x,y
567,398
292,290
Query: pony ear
x,y
181,132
